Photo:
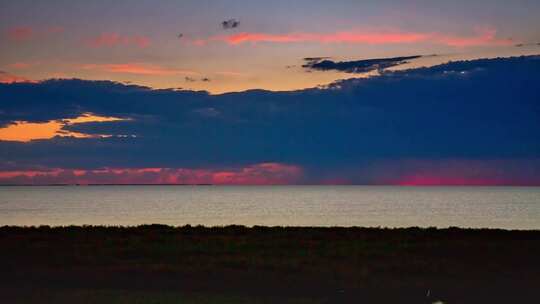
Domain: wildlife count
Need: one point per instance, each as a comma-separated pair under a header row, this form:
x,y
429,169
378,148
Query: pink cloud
x,y
340,37
26,33
485,36
480,38
257,174
136,68
405,173
114,39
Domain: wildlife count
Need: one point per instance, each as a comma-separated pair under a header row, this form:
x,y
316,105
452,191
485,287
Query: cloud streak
x,y
482,37
256,174
358,66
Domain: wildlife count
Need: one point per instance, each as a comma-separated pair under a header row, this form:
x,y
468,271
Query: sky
x,y
270,92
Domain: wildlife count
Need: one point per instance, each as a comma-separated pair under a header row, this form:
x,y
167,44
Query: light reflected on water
x,y
495,207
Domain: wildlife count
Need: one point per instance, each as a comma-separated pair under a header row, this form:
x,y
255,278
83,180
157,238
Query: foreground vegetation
x,y
235,264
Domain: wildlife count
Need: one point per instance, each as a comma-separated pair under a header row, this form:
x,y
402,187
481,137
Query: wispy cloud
x,y
481,37
341,37
357,66
137,68
115,39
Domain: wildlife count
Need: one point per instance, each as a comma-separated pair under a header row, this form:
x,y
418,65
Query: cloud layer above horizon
x,y
468,122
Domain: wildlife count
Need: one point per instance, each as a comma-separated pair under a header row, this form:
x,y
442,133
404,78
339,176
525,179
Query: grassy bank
x,y
234,264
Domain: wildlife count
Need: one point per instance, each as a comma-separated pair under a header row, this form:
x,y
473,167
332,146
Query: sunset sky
x,y
286,92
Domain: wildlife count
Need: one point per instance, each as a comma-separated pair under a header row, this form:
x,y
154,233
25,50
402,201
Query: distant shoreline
x,y
258,228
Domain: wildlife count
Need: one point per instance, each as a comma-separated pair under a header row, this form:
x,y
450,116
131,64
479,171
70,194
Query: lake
x,y
369,206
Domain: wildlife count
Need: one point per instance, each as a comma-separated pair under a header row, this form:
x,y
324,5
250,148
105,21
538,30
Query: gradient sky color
x,y
136,41
110,92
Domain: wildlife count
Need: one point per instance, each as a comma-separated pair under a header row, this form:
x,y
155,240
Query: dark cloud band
x,y
480,110
357,66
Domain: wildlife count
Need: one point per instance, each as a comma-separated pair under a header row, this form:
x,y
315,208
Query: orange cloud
x,y
481,37
114,39
135,68
24,131
257,174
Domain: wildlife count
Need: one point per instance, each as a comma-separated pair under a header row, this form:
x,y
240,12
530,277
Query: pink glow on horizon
x,y
257,174
456,172
482,37
260,174
423,180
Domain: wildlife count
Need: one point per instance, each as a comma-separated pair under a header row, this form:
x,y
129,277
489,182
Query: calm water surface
x,y
496,207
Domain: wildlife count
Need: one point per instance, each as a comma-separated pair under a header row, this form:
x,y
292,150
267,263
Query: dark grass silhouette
x,y
236,264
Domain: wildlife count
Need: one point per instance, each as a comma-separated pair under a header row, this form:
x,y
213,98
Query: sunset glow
x,y
483,37
270,92
26,131
258,174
